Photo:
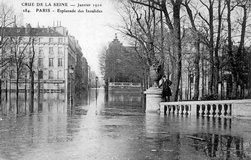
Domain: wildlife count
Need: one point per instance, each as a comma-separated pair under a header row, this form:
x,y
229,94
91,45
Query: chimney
x,y
15,24
28,29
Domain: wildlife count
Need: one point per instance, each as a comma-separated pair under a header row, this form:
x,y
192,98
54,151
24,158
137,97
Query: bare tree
x,y
197,42
18,44
6,20
29,61
140,24
241,48
175,32
209,21
236,57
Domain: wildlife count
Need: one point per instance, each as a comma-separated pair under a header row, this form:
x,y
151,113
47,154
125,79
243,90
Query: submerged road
x,y
115,127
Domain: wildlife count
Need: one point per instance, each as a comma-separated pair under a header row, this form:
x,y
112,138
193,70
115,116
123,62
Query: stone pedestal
x,y
153,99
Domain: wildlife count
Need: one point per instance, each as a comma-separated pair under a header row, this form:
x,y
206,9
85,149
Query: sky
x,y
92,30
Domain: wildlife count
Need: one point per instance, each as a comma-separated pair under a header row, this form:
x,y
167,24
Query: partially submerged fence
x,y
226,108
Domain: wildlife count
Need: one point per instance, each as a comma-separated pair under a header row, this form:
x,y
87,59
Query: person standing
x,y
166,90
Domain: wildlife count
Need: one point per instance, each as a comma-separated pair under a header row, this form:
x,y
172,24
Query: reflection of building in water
x,y
123,98
38,130
56,52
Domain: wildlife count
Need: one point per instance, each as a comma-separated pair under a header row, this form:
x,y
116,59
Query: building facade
x,y
55,59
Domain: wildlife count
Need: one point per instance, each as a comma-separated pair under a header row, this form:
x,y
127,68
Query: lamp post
x,y
71,71
96,79
96,82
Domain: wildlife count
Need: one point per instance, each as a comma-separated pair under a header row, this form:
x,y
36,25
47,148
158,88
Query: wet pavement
x,y
114,127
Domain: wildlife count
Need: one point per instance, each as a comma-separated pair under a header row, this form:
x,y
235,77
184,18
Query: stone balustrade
x,y
226,108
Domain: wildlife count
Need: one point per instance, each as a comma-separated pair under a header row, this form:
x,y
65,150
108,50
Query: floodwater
x,y
114,127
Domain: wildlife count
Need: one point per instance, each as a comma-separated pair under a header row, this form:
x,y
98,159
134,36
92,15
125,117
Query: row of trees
x,y
17,50
161,30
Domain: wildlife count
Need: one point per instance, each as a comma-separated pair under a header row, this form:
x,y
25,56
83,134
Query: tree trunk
x,y
203,75
32,91
32,82
231,92
240,51
249,77
197,70
17,92
177,46
0,90
217,61
6,89
211,52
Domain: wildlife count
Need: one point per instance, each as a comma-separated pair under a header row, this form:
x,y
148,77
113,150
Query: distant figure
x,y
166,90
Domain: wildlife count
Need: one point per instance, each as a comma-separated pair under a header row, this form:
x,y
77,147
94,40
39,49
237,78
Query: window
x,y
40,74
60,74
60,40
50,50
40,62
60,62
60,50
50,74
50,62
39,40
50,40
40,50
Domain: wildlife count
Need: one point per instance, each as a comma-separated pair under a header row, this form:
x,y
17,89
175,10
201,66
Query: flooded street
x,y
114,127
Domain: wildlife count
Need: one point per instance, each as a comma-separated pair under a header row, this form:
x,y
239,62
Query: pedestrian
x,y
166,90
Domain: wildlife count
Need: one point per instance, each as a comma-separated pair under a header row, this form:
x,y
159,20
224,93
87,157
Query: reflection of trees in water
x,y
81,98
220,146
45,102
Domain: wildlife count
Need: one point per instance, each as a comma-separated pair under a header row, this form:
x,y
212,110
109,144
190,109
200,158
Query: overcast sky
x,y
92,30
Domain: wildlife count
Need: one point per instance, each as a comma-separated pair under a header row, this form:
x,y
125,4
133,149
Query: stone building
x,y
55,59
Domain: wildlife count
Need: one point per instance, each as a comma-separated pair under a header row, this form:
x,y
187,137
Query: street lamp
x,y
96,78
71,71
96,82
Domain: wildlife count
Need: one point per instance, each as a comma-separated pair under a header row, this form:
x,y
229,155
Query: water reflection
x,y
220,146
114,126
